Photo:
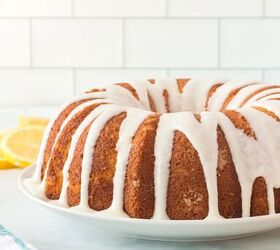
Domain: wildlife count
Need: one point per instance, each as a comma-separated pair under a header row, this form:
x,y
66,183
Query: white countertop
x,y
49,231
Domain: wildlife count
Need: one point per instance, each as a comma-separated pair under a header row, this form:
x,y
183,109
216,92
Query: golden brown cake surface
x,y
139,182
187,197
181,149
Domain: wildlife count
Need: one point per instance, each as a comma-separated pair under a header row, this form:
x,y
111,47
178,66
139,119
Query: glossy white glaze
x,y
252,157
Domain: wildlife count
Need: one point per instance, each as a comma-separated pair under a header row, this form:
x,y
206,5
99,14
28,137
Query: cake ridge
x,y
247,131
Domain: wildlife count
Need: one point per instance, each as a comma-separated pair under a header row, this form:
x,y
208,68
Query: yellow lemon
x,y
30,121
2,133
4,164
20,146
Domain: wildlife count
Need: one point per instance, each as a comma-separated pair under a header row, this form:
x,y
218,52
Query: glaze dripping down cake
x,y
179,149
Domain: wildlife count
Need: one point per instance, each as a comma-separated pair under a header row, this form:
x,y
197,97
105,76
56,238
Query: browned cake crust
x,y
232,94
104,160
211,92
255,93
240,122
181,84
274,93
276,192
152,103
54,131
95,90
187,196
229,190
60,153
166,100
268,112
259,203
152,81
129,88
74,177
139,181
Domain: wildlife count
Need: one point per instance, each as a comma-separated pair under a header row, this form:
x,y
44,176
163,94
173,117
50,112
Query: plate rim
x,y
232,221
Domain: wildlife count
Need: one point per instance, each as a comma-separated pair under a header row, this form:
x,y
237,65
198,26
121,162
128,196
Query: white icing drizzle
x,y
242,94
265,155
270,97
272,105
156,92
141,90
195,95
93,134
122,96
255,97
202,135
40,190
260,95
174,96
217,100
37,173
240,146
201,139
127,130
95,113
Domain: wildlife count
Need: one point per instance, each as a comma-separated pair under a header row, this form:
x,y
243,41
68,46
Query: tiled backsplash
x,y
51,50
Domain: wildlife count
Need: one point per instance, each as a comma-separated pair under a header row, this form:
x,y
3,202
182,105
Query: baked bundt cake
x,y
178,149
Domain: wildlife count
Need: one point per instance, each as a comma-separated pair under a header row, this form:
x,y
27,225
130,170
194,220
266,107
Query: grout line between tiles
x,y
167,8
30,43
136,68
263,74
264,8
219,43
123,43
72,8
143,18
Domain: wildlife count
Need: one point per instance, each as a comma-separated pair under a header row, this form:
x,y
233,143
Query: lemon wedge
x,y
4,164
3,132
20,146
32,121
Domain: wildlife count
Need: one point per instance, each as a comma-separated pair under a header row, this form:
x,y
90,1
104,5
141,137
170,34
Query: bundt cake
x,y
179,149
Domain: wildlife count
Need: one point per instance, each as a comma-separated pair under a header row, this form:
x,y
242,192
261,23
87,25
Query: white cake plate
x,y
164,230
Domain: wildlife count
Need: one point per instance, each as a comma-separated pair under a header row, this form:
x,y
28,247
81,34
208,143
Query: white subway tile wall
x,y
236,75
250,43
14,43
51,50
98,78
44,87
77,43
171,43
120,8
35,8
272,8
216,8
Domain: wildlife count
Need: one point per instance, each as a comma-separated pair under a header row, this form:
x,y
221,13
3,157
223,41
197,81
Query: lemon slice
x,y
20,146
4,164
3,132
32,121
